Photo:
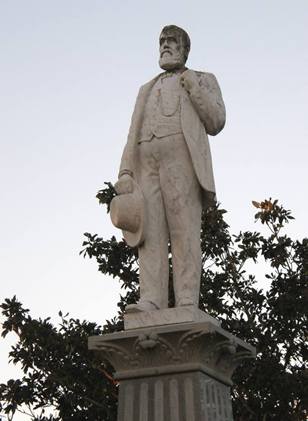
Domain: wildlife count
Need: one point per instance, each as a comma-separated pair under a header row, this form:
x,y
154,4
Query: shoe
x,y
141,306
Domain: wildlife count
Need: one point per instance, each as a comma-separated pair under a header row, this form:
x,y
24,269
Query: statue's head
x,y
174,46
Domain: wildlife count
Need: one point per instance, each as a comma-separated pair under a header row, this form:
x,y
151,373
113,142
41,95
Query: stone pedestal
x,y
167,316
175,372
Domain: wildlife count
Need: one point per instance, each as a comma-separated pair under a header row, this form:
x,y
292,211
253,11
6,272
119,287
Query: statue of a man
x,y
168,157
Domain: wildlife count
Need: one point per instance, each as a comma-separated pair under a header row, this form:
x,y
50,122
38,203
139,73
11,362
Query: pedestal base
x,y
179,372
167,316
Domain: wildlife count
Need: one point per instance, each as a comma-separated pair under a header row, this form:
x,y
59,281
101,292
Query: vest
x,y
162,111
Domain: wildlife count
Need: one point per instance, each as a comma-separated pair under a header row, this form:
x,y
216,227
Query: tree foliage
x,y
60,373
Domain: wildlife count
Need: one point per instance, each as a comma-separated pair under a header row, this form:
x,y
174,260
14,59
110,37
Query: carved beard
x,y
172,60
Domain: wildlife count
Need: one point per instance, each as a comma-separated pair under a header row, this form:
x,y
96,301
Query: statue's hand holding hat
x,y
127,210
125,184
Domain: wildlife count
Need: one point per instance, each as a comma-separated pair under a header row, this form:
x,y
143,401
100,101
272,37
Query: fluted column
x,y
179,397
179,372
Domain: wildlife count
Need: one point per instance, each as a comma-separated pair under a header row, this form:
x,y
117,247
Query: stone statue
x,y
166,175
172,364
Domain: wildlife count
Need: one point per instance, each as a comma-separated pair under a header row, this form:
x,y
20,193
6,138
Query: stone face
x,y
168,157
177,315
178,372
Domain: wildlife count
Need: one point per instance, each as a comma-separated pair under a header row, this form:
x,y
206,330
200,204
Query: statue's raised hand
x,y
189,79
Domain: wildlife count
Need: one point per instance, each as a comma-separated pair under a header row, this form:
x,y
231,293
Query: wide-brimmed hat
x,y
127,213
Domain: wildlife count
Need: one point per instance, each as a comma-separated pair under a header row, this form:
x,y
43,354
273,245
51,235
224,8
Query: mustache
x,y
166,50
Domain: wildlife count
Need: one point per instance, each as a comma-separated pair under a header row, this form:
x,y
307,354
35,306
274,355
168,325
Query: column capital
x,y
173,349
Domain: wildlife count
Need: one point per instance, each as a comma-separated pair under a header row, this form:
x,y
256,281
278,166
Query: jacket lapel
x,y
144,95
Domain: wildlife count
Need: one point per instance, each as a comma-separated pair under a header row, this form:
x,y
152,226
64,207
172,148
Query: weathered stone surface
x,y
192,396
168,349
178,372
177,315
168,157
172,364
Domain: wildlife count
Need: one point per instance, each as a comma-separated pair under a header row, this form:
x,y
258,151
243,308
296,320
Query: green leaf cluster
x,y
60,373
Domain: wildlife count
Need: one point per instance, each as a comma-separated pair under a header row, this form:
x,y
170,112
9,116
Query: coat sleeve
x,y
206,98
127,161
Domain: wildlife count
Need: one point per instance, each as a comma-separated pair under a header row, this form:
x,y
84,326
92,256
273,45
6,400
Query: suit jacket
x,y
202,113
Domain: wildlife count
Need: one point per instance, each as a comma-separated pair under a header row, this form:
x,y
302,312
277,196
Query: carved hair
x,y
183,34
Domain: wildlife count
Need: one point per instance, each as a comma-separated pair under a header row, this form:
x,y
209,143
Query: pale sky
x,y
70,72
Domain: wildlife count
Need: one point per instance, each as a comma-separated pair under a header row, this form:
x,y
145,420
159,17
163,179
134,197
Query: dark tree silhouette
x,y
60,374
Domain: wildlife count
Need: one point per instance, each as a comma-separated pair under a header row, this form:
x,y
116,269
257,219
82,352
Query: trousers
x,y
173,209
